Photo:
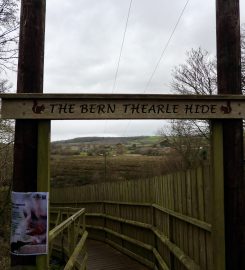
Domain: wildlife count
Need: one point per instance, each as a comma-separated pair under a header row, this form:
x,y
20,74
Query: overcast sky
x,y
83,40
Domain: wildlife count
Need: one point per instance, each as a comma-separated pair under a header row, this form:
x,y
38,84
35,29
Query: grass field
x,y
80,170
89,160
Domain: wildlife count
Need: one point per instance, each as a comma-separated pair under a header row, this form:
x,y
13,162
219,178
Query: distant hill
x,y
111,140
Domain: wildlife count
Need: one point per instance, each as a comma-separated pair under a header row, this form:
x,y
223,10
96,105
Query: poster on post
x,y
29,227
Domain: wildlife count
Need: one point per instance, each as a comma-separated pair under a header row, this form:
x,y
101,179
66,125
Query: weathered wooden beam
x,y
30,80
229,82
74,106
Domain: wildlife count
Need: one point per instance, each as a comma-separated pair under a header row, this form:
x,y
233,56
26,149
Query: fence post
x,y
153,216
105,219
121,223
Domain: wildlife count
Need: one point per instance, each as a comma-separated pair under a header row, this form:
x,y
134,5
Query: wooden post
x,y
30,80
218,230
43,174
229,82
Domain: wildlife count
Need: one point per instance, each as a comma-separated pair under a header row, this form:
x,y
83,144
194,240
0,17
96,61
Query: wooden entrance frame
x,y
28,132
23,107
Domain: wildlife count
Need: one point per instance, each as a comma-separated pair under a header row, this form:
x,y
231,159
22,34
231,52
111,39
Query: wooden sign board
x,y
88,106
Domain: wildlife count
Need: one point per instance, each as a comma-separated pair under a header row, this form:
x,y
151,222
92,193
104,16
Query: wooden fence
x,y
163,222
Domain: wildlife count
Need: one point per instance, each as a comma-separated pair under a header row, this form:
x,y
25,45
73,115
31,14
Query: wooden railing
x,y
68,236
164,223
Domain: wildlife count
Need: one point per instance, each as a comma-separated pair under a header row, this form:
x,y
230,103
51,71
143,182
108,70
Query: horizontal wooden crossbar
x,y
118,106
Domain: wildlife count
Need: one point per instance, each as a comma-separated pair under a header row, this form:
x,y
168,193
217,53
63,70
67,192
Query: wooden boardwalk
x,y
103,257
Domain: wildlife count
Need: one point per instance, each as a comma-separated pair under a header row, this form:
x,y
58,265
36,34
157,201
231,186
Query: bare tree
x,y
197,76
190,138
9,24
6,149
6,143
191,148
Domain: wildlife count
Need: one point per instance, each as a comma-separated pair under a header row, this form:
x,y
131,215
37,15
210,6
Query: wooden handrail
x,y
58,229
73,225
170,216
179,254
70,209
71,262
201,224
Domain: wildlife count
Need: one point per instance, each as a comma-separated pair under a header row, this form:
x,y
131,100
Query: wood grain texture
x,y
229,74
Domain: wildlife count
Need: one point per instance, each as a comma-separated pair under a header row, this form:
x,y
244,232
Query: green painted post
x,y
218,220
43,164
43,174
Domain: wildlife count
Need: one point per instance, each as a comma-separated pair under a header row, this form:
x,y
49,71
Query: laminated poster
x,y
29,229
